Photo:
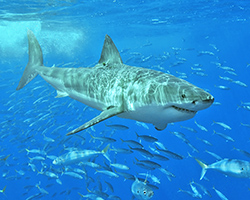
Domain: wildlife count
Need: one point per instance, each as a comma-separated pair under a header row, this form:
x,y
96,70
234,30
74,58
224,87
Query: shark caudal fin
x,y
204,168
35,61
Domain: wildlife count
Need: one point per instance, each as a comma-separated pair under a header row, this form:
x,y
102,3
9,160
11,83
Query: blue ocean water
x,y
170,36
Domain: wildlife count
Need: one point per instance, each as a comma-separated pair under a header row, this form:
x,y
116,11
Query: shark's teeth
x,y
183,109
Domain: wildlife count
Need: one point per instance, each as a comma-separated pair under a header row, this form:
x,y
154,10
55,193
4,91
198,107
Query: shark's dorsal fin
x,y
110,54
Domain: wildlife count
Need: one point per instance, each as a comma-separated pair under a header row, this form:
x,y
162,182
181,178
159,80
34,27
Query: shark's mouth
x,y
184,110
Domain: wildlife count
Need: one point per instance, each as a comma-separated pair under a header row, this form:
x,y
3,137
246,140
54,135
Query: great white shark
x,y
118,89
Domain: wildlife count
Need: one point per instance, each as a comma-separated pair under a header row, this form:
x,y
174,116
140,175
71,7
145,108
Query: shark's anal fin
x,y
109,112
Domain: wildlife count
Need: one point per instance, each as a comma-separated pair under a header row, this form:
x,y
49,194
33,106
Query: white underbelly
x,y
157,115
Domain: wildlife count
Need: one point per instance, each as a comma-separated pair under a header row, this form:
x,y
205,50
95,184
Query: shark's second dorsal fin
x,y
110,54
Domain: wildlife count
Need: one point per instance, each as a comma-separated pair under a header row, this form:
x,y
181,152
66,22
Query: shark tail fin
x,y
204,168
35,61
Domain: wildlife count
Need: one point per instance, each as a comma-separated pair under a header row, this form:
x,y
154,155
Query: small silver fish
x,y
222,196
231,167
214,155
147,138
75,157
225,126
222,87
201,127
141,190
240,83
117,126
228,138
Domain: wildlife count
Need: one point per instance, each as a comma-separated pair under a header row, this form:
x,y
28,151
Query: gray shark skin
x,y
120,90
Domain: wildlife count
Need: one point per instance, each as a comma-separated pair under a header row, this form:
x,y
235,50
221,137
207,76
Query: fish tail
x,y
234,148
27,151
137,135
180,190
105,149
3,190
105,152
35,61
189,155
122,140
80,194
204,168
93,137
39,172
5,158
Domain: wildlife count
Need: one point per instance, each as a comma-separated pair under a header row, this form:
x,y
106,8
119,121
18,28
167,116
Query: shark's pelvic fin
x,y
110,54
35,61
61,94
109,112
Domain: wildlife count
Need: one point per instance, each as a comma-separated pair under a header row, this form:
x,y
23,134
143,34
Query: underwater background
x,y
201,41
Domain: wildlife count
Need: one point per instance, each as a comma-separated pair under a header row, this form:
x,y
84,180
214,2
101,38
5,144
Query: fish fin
x,y
189,155
106,155
180,190
105,150
27,151
145,181
3,190
109,54
93,137
204,168
136,134
109,112
80,194
61,94
38,172
35,61
5,158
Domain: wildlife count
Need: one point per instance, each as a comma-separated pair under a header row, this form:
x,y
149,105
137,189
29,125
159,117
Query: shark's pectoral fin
x,y
109,112
61,94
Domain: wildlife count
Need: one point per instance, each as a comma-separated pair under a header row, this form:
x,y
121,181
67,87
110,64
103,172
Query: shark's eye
x,y
183,96
144,192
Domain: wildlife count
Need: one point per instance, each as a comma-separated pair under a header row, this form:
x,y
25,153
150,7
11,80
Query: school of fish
x,y
94,158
